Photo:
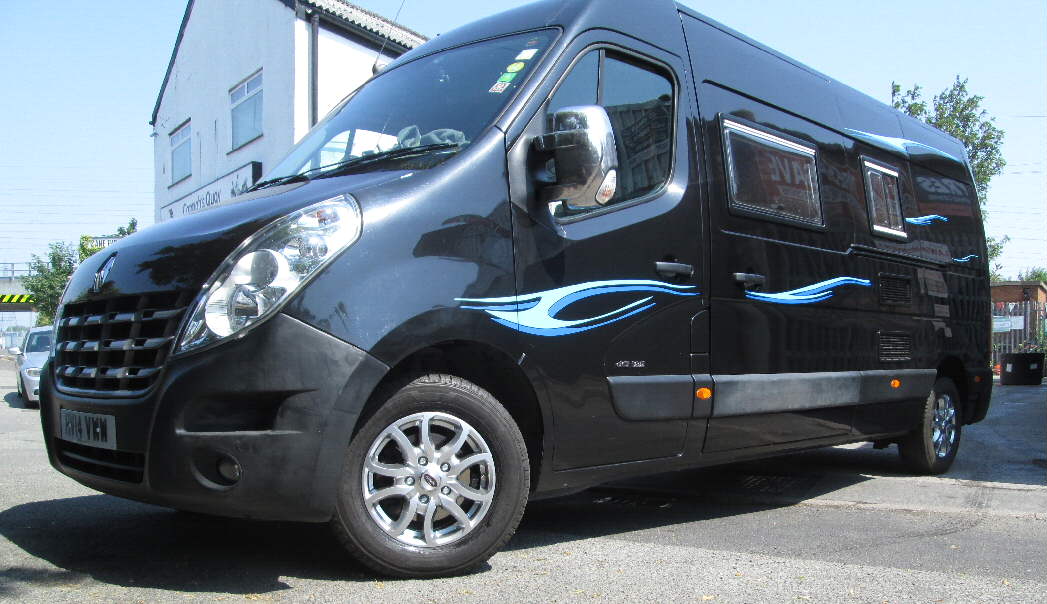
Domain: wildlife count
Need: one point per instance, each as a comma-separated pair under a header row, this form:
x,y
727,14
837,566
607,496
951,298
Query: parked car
x,y
29,359
575,242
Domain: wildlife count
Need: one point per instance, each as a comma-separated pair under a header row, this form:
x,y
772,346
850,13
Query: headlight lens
x,y
268,268
33,372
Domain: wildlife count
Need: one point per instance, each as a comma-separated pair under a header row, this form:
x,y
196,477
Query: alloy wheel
x,y
428,479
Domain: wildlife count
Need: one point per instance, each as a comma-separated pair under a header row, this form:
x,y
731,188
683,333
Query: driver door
x,y
617,284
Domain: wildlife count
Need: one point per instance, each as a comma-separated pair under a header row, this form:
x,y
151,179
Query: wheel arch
x,y
482,364
952,368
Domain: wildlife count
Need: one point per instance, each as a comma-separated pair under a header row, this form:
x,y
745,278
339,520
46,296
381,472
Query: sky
x,y
78,81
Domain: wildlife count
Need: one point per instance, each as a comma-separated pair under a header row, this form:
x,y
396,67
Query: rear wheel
x,y
931,447
435,481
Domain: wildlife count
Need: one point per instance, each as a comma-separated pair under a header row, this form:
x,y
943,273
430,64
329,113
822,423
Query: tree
x,y
132,226
995,248
47,279
87,250
957,112
1036,273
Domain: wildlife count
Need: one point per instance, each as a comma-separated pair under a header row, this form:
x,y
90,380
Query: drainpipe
x,y
314,72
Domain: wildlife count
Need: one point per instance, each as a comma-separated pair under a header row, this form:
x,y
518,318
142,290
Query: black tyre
x,y
931,447
435,481
21,389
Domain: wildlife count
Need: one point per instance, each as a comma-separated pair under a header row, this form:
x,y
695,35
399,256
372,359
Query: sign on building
x,y
218,192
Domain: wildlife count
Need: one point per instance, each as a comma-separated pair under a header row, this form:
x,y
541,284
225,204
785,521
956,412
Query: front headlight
x,y
33,372
264,271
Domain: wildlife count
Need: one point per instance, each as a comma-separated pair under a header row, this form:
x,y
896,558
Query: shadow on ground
x,y
125,543
15,402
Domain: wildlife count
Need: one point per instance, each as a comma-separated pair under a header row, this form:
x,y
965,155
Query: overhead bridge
x,y
13,295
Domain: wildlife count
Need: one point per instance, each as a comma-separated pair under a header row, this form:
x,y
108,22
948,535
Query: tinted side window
x,y
770,174
578,88
640,105
881,189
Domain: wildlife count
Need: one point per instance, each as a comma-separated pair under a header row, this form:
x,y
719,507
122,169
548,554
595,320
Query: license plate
x,y
92,429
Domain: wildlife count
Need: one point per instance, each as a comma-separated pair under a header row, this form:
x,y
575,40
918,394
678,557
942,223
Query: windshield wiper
x,y
398,153
280,180
337,167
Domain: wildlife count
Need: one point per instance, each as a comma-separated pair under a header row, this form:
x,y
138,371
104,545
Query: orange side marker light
x,y
704,393
896,383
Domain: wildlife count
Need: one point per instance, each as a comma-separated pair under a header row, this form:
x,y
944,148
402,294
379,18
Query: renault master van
x,y
578,241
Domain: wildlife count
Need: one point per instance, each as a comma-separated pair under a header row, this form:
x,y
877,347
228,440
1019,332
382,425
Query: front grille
x,y
108,463
117,346
895,289
895,346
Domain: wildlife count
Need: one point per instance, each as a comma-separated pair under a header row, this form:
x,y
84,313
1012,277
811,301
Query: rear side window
x,y
771,175
881,189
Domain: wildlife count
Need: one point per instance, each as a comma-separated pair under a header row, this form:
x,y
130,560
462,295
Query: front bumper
x,y
281,401
31,386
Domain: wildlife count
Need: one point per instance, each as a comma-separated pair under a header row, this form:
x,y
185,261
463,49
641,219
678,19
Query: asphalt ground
x,y
845,524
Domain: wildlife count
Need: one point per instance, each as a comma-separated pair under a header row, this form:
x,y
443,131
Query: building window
x,y
881,188
246,108
181,153
770,174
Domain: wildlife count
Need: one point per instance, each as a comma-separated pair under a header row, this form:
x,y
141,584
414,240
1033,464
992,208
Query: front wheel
x,y
931,447
435,481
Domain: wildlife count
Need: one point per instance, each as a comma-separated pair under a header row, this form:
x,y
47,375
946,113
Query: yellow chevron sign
x,y
16,298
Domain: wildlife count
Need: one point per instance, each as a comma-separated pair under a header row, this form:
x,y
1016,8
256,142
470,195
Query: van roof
x,y
853,113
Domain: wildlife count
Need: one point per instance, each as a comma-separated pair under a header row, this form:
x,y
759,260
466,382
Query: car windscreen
x,y
438,104
38,342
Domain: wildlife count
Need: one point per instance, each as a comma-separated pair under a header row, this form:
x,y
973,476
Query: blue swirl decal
x,y
965,258
926,220
536,313
810,294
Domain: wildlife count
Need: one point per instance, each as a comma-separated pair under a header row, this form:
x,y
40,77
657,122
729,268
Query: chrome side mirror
x,y
15,350
585,156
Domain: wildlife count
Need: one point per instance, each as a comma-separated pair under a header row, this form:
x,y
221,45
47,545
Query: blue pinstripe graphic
x,y
926,220
967,258
535,313
810,294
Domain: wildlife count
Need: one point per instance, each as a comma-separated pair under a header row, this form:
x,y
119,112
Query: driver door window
x,y
638,99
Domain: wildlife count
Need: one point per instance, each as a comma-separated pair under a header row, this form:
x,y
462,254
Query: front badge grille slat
x,y
117,346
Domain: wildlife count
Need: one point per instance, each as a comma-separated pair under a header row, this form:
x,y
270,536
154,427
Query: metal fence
x,y
1018,327
10,270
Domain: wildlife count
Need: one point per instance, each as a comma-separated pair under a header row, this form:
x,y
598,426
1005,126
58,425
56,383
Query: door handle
x,y
673,269
749,280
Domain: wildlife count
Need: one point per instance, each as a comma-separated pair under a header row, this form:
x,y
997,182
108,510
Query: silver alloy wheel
x,y
943,433
428,479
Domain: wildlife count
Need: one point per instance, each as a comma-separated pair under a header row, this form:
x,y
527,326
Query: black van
x,y
574,242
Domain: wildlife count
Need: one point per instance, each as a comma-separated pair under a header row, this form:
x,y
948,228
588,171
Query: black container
x,y
1021,369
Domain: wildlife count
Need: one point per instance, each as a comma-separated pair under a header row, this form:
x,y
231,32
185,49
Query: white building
x,y
246,80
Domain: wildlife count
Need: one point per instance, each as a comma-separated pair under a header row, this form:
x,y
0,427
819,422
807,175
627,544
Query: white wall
x,y
226,41
343,65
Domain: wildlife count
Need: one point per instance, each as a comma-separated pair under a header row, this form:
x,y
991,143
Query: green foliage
x,y
132,226
957,112
1036,273
48,276
47,279
995,248
86,250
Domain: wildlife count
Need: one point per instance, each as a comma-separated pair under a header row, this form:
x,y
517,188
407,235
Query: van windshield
x,y
422,112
